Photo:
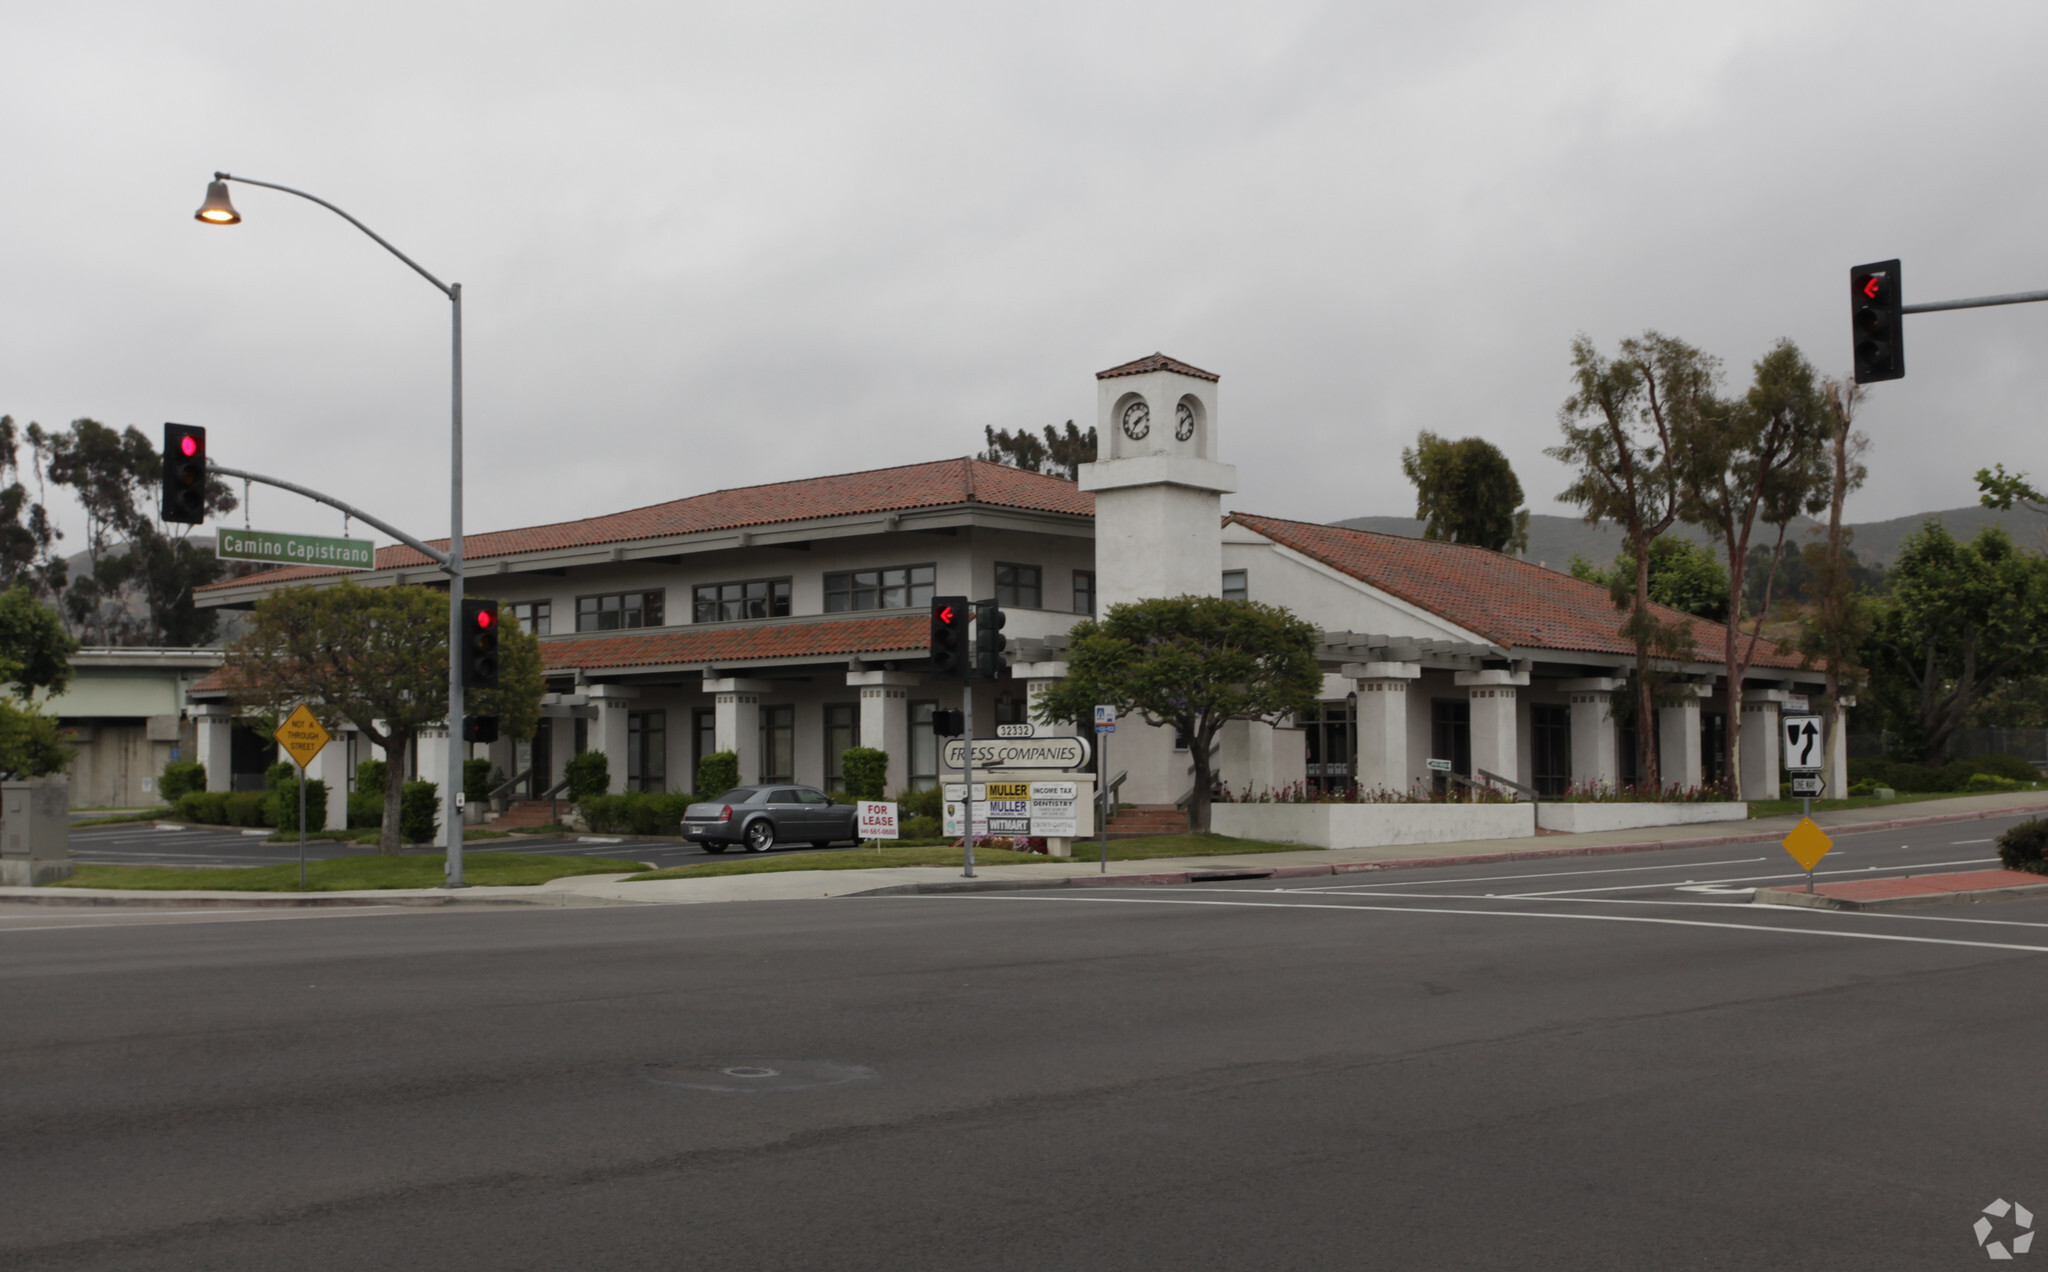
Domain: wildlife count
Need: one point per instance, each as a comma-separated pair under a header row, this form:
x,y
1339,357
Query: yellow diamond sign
x,y
1808,843
301,736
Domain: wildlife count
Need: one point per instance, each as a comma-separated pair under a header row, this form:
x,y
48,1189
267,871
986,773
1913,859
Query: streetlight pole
x,y
218,210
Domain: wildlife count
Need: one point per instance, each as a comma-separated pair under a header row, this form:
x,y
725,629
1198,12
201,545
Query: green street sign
x,y
295,549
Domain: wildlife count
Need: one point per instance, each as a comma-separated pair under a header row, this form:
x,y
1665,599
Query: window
x,y
620,609
1017,586
1550,737
899,587
647,751
750,598
1450,737
778,744
1327,729
924,747
1012,709
1234,587
532,616
1713,749
1084,592
842,730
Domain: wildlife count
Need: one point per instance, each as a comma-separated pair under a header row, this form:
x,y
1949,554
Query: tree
x,y
1060,454
1961,619
1466,492
376,658
2001,490
1835,632
1192,664
27,535
1762,458
1620,426
35,650
1683,575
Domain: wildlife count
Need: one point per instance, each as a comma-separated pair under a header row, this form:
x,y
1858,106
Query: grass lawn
x,y
1146,848
348,874
1790,807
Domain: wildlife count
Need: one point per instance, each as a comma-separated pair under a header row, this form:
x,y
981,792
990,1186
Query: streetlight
x,y
219,210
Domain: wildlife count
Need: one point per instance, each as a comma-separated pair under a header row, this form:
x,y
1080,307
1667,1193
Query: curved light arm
x,y
271,185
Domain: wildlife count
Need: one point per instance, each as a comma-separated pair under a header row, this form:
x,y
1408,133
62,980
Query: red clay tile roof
x,y
1509,602
1157,362
664,646
930,485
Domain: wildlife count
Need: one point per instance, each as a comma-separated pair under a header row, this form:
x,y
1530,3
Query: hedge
x,y
1955,775
419,811
718,773
588,774
180,777
2025,847
866,771
636,813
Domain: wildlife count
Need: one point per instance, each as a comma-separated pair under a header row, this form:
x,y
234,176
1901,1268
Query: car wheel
x,y
760,835
714,848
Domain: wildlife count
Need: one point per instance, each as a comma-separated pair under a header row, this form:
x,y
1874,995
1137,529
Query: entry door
x,y
543,763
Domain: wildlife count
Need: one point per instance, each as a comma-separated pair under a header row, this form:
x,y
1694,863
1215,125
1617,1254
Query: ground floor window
x,y
1713,748
1450,736
1332,745
1628,761
703,741
647,751
778,744
1550,737
1012,709
924,747
842,730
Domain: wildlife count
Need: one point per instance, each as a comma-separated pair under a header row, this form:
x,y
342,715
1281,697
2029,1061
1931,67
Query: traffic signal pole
x,y
1877,311
1976,302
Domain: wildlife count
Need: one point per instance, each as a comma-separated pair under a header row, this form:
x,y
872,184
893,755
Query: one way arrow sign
x,y
1802,743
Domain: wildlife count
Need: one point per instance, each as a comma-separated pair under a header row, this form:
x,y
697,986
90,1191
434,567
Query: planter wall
x,y
1372,825
1583,817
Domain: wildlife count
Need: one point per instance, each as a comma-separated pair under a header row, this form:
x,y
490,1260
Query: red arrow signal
x,y
1872,287
946,614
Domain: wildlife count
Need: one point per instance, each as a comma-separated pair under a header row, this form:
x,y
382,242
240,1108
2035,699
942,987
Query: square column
x,y
736,722
1596,743
612,703
1493,720
1837,773
331,767
885,719
216,743
1382,723
1760,773
1678,737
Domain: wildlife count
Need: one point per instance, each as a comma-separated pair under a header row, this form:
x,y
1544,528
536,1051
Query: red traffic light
x,y
483,618
946,614
189,444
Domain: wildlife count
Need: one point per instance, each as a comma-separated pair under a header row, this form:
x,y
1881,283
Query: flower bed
x,y
1372,825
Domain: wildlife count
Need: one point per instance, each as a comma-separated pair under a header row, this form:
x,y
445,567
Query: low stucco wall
x,y
1573,818
1372,825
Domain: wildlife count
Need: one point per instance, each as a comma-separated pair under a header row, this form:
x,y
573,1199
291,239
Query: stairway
x,y
1148,819
525,812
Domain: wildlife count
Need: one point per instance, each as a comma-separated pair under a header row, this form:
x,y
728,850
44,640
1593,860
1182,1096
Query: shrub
x,y
929,803
248,808
2025,847
365,809
476,780
718,773
284,805
866,770
918,828
278,774
208,807
1993,782
419,811
179,778
589,774
636,813
2010,767
370,776
1953,776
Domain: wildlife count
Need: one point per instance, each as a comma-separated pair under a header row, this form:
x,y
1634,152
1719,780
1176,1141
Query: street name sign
x,y
294,549
1802,743
1439,766
1808,843
877,820
302,736
1021,753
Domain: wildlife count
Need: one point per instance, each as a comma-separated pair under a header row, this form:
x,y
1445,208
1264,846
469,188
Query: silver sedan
x,y
761,817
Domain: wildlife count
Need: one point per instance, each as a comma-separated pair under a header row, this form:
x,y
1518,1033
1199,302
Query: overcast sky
x,y
714,245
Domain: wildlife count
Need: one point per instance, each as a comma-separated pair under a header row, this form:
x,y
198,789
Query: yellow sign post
x,y
302,736
1808,843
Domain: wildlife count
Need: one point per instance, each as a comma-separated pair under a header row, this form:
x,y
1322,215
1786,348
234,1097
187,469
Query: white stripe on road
x,y
1628,887
1493,914
1551,874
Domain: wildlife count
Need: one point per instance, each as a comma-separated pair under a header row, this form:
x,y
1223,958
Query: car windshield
x,y
737,795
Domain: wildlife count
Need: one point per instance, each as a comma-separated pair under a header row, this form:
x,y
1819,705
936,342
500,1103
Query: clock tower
x,y
1158,485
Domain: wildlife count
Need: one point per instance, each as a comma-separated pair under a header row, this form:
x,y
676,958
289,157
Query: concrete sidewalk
x,y
1080,871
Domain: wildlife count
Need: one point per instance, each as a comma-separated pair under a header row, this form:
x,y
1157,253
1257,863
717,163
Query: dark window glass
x,y
618,610
1550,738
924,747
704,731
1450,736
783,797
647,751
1327,728
531,615
1084,592
1234,587
1017,585
778,744
898,587
842,730
731,602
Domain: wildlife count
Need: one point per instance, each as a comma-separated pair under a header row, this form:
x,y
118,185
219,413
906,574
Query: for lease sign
x,y
877,820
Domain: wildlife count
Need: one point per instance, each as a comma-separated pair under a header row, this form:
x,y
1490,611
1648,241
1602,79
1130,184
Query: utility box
x,y
35,831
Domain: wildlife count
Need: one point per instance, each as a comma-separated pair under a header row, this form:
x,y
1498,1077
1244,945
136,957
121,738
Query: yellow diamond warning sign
x,y
301,736
1808,843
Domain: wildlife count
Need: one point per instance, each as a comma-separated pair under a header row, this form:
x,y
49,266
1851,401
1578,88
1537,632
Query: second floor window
x,y
726,602
531,615
899,587
1084,592
1017,586
620,609
1234,586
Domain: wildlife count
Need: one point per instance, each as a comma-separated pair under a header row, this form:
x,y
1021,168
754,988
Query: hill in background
x,y
1554,539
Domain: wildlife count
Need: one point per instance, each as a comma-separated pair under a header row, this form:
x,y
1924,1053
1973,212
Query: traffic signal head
x,y
989,641
479,644
948,722
949,637
1876,322
184,494
479,728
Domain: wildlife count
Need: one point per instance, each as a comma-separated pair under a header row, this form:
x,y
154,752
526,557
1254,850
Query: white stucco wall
x,y
1372,825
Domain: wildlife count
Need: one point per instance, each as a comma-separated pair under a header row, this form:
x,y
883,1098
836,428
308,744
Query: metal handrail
x,y
1510,783
506,789
1105,798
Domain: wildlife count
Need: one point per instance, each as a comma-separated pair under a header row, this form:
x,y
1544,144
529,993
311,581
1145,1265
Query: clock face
x,y
1184,422
1137,421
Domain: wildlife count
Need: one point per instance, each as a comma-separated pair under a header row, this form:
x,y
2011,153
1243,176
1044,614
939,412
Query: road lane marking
x,y
1550,874
1723,906
1787,930
1626,887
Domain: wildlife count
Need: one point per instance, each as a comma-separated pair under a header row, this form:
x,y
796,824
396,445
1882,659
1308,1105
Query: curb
x,y
295,900
1821,901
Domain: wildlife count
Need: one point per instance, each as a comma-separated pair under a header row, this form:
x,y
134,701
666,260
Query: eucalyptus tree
x,y
1466,492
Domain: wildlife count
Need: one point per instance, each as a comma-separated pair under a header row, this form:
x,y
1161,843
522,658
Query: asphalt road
x,y
207,847
1564,1064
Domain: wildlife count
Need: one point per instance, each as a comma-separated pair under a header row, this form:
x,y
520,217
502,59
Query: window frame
x,y
658,594
1089,590
536,620
1244,585
880,587
779,718
913,708
1015,598
638,778
835,775
718,603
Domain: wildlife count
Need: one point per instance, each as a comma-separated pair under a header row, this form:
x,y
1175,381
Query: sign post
x,y
302,738
1105,724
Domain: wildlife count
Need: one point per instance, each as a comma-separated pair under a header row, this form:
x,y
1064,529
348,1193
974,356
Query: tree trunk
x,y
1646,710
1832,616
389,842
1198,800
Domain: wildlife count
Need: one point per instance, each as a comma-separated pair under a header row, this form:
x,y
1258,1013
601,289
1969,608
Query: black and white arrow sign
x,y
1802,743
